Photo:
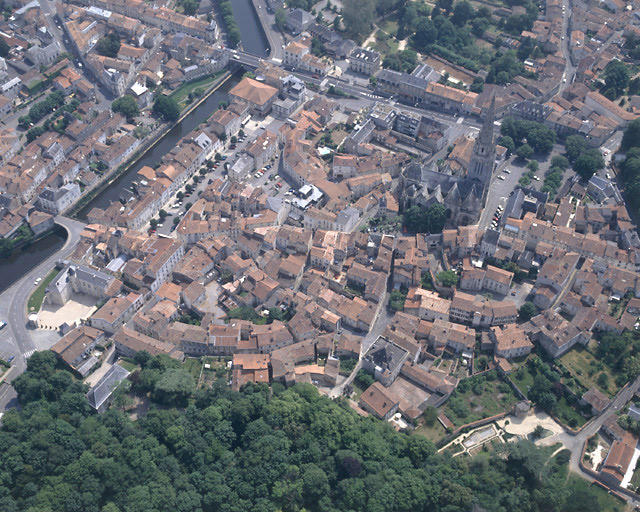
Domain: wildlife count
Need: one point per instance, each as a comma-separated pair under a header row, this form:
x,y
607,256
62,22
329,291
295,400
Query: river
x,y
21,262
153,157
254,40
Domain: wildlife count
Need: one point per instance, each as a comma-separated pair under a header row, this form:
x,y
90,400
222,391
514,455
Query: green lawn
x,y
384,44
434,432
35,301
585,368
568,414
193,366
181,94
482,398
127,364
522,378
390,26
607,502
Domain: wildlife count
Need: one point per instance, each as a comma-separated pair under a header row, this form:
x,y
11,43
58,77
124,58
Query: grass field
x,y
390,26
193,366
127,364
569,415
606,501
384,44
181,94
482,400
434,432
585,368
522,378
35,301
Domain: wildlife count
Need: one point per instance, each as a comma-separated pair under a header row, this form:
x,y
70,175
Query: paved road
x,y
569,68
16,335
379,326
267,19
502,184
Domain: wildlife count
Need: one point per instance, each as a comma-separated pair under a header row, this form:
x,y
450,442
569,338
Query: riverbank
x,y
83,206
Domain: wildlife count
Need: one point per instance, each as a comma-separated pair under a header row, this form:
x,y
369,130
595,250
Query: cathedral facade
x,y
463,194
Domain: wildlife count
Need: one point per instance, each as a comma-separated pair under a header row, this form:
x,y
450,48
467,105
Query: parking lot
x,y
268,178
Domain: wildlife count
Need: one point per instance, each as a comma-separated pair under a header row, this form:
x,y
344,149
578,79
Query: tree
x,y
174,387
448,278
234,139
603,381
108,46
444,5
4,48
430,415
462,12
588,163
426,33
358,16
538,432
241,134
397,299
127,106
533,166
527,311
163,214
631,137
176,221
574,146
560,162
281,19
190,7
616,78
524,152
507,142
166,108
153,223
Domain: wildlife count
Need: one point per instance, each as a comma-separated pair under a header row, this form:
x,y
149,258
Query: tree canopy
x,y
287,450
108,46
538,136
425,220
126,105
166,108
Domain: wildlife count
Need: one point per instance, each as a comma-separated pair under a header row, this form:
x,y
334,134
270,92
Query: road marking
x,y
27,355
460,120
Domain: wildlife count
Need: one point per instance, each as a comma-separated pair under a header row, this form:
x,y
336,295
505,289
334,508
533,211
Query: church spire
x,y
486,133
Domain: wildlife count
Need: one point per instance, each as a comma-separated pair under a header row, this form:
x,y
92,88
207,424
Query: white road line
x,y
27,355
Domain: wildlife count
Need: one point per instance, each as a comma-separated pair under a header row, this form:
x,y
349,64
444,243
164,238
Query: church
x,y
460,184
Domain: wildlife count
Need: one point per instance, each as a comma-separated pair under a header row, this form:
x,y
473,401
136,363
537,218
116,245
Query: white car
x,y
506,171
501,177
537,178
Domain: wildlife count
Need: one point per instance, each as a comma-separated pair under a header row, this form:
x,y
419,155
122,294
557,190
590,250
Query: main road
x,y
16,335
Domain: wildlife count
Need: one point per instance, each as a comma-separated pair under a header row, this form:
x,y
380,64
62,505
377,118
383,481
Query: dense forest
x,y
256,450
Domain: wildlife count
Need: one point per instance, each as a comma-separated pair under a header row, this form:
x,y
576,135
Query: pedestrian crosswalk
x,y
27,355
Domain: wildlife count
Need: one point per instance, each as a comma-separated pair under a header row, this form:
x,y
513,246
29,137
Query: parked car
x,y
3,324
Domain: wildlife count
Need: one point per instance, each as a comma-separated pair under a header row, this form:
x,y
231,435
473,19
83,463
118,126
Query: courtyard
x,y
79,306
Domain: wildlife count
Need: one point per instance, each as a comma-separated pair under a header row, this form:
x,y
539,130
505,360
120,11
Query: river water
x,y
153,157
21,262
254,41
